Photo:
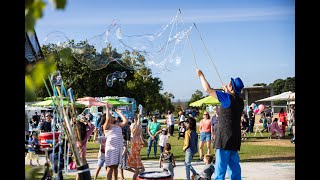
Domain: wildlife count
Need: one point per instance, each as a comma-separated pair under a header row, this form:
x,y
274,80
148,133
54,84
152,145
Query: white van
x,y
94,111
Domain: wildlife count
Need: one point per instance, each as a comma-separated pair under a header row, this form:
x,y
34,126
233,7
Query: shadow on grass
x,y
269,159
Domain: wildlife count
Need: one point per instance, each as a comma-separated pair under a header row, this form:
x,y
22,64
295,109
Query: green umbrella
x,y
48,102
206,100
115,102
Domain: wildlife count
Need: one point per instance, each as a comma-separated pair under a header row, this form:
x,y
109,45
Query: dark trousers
x,y
161,149
251,124
171,129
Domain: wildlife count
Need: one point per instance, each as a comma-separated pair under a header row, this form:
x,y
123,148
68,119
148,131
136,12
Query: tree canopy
x,y
87,82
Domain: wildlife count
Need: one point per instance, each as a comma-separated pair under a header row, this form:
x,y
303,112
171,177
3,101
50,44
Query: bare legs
x,y
97,172
208,143
201,149
112,171
208,147
137,171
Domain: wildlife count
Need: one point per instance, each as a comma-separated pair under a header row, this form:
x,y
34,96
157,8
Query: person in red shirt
x,y
282,115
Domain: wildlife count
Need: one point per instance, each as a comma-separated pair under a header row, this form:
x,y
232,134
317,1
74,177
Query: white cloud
x,y
144,17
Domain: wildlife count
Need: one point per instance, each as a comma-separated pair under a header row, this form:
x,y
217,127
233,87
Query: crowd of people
x,y
221,130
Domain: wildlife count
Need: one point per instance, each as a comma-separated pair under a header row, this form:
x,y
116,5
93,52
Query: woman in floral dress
x,y
137,142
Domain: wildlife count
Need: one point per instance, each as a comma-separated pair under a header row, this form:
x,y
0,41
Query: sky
x,y
250,39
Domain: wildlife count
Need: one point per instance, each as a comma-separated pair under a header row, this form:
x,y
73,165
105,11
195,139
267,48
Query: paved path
x,y
250,170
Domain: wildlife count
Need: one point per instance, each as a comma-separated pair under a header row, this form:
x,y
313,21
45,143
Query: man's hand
x,y
199,72
119,111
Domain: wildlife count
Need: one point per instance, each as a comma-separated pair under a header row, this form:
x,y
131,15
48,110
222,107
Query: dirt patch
x,y
289,157
272,142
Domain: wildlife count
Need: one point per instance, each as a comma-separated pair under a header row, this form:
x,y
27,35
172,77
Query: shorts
x,y
205,136
100,162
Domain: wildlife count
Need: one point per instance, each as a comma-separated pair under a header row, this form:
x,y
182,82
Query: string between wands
x,y
194,57
205,47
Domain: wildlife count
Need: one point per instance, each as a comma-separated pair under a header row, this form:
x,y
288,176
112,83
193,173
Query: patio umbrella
x,y
206,100
89,101
116,102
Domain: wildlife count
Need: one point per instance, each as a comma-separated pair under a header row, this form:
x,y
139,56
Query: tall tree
x,y
260,84
195,96
79,73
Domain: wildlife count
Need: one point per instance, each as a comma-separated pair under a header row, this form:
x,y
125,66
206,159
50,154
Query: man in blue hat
x,y
228,135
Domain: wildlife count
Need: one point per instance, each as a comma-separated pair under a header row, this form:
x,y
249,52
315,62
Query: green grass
x,y
254,149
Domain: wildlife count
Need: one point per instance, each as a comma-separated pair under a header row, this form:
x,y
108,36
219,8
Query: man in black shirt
x,y
46,125
228,136
36,119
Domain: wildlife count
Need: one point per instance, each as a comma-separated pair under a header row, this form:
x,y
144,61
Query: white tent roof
x,y
288,96
29,108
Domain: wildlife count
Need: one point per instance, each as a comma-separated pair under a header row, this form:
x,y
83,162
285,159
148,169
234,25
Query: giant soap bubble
x,y
161,51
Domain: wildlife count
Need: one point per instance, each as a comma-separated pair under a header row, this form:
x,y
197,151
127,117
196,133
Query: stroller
x,y
181,129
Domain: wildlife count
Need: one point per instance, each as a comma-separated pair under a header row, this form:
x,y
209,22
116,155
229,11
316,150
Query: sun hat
x,y
164,129
237,85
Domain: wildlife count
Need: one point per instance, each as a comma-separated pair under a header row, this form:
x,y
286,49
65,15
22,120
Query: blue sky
x,y
250,39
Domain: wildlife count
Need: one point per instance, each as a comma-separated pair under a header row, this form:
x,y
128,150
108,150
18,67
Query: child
x,y
207,171
167,161
263,120
190,145
163,139
33,144
274,128
181,129
101,154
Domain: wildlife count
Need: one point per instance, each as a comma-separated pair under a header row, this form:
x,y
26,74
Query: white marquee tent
x,y
287,96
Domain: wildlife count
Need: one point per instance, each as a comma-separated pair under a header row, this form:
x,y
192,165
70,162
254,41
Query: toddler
x,y
167,161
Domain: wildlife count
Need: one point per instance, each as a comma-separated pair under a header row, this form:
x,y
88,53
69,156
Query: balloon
x,y
261,107
252,105
256,111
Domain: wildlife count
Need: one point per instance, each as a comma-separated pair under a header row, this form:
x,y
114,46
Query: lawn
x,y
254,149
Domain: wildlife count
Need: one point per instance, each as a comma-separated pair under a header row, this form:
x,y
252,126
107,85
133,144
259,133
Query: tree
x,y
278,86
260,84
289,84
196,96
86,79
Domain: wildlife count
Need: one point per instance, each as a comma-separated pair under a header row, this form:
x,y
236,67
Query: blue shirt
x,y
224,99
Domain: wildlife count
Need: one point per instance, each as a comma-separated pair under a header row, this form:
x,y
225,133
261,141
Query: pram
x,y
244,130
181,129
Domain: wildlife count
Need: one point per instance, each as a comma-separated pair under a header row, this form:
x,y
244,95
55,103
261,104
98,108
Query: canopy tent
x,y
206,100
115,102
89,101
56,100
286,96
33,108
